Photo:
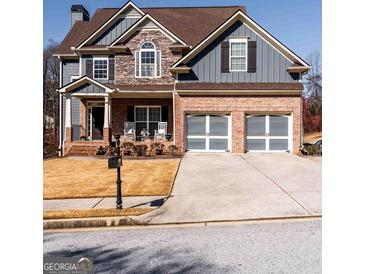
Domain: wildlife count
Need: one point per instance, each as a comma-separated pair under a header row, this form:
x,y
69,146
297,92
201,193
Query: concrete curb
x,y
64,224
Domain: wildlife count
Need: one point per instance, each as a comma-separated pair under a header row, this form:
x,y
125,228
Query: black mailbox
x,y
114,162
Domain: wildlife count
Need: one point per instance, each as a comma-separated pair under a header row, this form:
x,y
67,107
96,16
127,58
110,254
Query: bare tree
x,y
313,79
312,101
51,76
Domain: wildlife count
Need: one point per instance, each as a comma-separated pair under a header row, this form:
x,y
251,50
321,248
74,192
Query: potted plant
x,y
157,147
168,136
127,147
83,138
141,149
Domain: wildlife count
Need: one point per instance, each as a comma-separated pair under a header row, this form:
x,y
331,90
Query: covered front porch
x,y
92,118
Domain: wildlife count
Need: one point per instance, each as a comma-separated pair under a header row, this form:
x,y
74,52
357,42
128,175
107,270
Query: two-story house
x,y
219,79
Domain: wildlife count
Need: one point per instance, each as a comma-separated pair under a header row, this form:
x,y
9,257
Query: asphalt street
x,y
262,247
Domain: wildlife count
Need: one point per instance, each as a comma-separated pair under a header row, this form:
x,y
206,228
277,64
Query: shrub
x,y
172,149
128,146
313,150
101,151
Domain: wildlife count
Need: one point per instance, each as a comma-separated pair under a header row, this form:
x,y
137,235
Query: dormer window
x,y
148,61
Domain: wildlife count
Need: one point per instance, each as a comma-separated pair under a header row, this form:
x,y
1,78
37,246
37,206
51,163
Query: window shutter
x,y
225,57
89,68
158,65
130,114
164,113
111,68
137,63
251,64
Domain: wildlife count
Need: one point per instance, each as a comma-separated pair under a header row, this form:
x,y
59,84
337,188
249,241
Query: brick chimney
x,y
78,13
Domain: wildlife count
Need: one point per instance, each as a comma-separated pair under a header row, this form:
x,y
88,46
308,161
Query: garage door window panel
x,y
196,143
218,126
278,144
196,125
218,144
256,126
256,144
279,126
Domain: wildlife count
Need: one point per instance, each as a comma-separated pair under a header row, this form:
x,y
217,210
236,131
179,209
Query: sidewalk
x,y
89,203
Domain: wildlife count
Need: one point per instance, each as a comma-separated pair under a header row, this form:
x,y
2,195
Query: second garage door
x,y
268,133
208,133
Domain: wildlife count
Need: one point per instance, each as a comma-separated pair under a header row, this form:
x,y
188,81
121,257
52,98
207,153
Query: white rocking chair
x,y
129,131
161,131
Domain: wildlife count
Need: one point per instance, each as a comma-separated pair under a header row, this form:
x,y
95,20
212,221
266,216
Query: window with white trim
x,y
238,54
100,68
148,61
147,117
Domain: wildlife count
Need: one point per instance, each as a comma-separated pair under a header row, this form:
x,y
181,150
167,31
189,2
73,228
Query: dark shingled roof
x,y
190,24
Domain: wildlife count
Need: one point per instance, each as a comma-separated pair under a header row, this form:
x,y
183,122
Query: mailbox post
x,y
116,162
119,180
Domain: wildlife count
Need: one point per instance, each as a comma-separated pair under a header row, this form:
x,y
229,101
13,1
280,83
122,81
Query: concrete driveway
x,y
234,187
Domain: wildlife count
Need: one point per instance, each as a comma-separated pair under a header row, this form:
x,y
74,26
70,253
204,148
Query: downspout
x,y
174,111
301,113
60,146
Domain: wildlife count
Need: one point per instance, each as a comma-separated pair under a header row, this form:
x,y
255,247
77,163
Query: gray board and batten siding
x,y
71,68
271,66
115,31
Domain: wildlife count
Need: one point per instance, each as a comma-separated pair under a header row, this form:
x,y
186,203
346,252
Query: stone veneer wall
x,y
125,62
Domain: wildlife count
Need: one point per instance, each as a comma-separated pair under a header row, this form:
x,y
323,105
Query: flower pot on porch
x,y
158,151
127,152
168,136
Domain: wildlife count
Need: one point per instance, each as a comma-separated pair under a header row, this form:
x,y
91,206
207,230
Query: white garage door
x,y
208,133
268,133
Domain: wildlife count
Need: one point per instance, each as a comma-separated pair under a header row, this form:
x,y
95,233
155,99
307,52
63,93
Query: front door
x,y
97,124
208,133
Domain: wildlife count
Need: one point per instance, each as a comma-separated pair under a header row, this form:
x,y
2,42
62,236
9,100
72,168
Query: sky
x,y
295,23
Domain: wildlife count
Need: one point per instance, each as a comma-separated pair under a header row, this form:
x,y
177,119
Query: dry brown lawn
x,y
88,178
93,212
312,137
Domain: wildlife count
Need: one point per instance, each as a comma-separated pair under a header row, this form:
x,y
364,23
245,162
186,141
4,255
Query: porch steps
x,y
84,148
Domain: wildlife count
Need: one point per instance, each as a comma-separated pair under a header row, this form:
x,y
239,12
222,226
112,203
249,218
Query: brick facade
x,y
238,106
125,62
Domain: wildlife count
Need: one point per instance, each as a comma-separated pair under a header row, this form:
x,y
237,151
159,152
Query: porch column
x,y
106,131
68,113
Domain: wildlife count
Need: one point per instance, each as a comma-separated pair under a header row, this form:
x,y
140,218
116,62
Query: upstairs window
x,y
238,54
148,61
100,68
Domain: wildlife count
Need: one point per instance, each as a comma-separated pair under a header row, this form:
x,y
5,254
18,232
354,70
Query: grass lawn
x,y
88,178
312,137
93,212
